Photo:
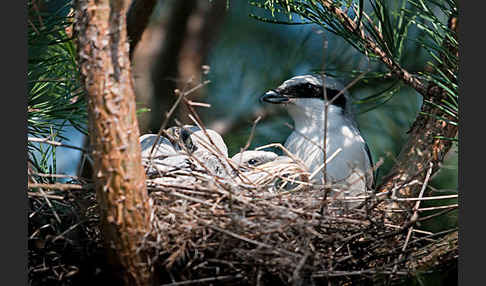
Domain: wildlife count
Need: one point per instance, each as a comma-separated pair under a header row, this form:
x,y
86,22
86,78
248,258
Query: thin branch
x,y
168,115
55,143
425,144
33,181
415,215
454,206
394,67
166,64
252,133
54,197
354,273
59,186
257,243
428,198
206,280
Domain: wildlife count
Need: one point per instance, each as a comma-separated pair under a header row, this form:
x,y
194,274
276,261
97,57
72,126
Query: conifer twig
x,y
352,27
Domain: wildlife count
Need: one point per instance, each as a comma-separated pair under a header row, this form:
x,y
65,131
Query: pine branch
x,y
365,36
426,144
54,97
355,27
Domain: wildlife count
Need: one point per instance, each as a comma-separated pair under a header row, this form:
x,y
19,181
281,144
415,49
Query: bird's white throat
x,y
306,142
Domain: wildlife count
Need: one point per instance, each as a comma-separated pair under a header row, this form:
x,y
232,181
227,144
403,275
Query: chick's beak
x,y
272,96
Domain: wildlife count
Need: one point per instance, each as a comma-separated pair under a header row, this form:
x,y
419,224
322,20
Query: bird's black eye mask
x,y
304,90
308,90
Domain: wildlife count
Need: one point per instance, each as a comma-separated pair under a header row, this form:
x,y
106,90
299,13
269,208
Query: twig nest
x,y
259,212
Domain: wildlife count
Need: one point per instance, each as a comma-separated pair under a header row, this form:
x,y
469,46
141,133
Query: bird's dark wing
x,y
373,185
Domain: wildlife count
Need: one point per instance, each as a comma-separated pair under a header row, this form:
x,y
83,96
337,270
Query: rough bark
x,y
119,177
422,148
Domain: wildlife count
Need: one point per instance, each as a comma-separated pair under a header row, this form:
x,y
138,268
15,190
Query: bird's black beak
x,y
272,96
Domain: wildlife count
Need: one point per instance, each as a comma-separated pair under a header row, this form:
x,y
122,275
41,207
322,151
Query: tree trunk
x,y
118,173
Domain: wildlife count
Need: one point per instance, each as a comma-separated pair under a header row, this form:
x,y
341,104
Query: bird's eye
x,y
252,162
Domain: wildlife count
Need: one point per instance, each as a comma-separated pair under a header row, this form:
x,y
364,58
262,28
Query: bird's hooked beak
x,y
273,96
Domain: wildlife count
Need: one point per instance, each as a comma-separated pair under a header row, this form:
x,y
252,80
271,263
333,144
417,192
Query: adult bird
x,y
348,157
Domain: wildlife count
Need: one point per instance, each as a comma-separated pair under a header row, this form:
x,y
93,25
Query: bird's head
x,y
249,159
192,138
307,93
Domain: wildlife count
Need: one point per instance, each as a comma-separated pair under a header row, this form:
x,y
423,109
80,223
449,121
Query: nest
x,y
278,227
65,243
255,226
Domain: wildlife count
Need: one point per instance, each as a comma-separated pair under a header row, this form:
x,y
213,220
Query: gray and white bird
x,y
164,158
186,149
163,148
206,148
191,138
253,158
267,168
303,97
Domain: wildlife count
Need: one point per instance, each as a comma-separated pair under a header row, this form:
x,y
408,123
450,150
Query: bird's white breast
x,y
306,142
